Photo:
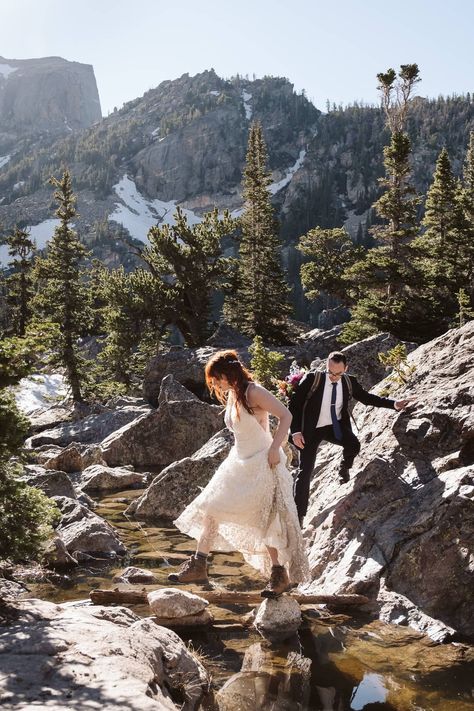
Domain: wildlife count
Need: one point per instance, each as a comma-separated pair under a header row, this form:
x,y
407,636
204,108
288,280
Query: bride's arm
x,y
258,396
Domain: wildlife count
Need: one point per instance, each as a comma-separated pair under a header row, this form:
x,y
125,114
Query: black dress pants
x,y
307,459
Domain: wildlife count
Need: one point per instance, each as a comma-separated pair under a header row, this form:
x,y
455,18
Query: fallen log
x,y
122,596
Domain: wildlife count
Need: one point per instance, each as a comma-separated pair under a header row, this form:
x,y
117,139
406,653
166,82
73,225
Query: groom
x,y
320,412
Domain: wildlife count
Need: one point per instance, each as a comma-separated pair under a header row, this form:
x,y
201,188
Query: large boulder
x,y
51,482
69,656
73,458
90,429
68,459
408,512
186,365
100,478
45,419
318,343
363,361
180,482
182,424
83,532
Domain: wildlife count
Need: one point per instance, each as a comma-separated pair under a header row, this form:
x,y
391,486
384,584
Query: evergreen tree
x,y
133,319
465,312
63,296
446,247
467,199
25,512
384,279
331,252
440,209
189,267
260,302
468,176
20,284
265,364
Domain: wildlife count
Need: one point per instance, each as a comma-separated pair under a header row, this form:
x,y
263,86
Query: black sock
x,y
201,556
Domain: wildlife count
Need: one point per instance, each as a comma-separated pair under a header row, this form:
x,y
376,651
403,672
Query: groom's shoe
x,y
279,582
344,475
193,570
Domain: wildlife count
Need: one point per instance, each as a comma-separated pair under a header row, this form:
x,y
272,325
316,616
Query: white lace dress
x,y
250,503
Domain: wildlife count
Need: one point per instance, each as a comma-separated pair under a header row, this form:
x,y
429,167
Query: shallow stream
x,y
337,663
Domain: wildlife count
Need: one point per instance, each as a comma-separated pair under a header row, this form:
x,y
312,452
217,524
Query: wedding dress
x,y
251,504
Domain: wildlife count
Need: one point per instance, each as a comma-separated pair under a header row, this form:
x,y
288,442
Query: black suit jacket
x,y
306,413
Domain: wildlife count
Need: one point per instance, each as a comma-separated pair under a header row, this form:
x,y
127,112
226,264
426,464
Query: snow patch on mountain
x,y
246,99
6,70
276,187
137,214
40,233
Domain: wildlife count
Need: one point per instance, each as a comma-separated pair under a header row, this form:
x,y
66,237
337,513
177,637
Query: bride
x,y
248,504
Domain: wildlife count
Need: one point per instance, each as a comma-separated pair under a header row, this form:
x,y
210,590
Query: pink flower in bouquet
x,y
287,386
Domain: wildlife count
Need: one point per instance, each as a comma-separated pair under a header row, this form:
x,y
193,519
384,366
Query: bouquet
x,y
287,386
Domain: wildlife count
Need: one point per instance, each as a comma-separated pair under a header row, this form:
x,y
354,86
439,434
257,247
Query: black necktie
x,y
335,422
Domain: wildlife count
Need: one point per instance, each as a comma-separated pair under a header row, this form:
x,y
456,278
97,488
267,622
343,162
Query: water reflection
x,y
271,678
370,690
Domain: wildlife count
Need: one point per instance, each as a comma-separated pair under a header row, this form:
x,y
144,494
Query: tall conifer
x,y
20,282
63,296
260,302
446,247
383,280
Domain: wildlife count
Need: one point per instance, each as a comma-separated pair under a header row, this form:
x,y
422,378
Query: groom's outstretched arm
x,y
363,396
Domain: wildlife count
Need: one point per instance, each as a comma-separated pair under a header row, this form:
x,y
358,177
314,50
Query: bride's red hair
x,y
227,363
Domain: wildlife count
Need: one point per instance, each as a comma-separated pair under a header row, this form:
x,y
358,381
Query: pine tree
x,y
25,512
133,319
189,266
446,247
331,253
386,276
440,209
265,364
468,177
63,296
260,302
20,284
467,199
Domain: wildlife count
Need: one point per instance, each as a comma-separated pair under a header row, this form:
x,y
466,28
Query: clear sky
x,y
332,49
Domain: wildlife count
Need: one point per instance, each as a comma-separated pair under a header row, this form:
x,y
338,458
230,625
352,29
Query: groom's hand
x,y
401,404
298,440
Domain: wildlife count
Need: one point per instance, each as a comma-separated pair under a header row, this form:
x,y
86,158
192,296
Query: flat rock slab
x,y
75,657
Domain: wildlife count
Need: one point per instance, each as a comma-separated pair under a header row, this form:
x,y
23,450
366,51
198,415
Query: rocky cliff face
x,y
403,527
49,94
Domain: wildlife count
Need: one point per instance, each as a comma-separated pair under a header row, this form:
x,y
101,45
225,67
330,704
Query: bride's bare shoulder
x,y
256,394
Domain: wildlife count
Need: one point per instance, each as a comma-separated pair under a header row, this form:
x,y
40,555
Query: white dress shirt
x,y
325,413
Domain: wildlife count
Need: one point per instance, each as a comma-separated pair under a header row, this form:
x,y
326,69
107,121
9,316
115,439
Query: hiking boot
x,y
344,475
279,582
193,570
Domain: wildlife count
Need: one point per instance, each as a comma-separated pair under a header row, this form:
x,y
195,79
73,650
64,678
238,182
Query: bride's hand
x,y
273,456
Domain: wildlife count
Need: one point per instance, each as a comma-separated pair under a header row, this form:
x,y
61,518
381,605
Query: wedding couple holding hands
x,y
251,504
